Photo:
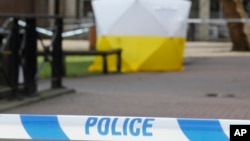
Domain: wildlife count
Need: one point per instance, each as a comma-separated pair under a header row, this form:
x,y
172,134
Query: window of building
x,y
85,9
194,13
215,9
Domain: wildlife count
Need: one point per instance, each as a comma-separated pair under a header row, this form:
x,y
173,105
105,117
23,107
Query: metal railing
x,y
21,42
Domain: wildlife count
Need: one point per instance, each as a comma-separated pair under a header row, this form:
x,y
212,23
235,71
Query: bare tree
x,y
239,32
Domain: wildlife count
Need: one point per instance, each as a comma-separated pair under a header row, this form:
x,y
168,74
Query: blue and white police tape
x,y
83,29
104,128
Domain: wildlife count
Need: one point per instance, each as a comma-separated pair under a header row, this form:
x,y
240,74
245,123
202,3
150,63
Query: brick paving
x,y
210,69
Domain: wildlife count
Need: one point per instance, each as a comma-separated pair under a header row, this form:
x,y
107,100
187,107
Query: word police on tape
x,y
129,126
113,128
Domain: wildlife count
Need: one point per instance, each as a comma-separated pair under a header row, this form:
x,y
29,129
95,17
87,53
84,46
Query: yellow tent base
x,y
142,53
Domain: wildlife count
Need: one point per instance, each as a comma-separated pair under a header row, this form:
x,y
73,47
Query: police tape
x,y
218,21
104,128
83,29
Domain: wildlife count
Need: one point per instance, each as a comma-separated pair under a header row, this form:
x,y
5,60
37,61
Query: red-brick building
x,y
24,6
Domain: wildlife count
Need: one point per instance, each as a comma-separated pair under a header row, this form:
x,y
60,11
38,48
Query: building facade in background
x,y
24,6
80,11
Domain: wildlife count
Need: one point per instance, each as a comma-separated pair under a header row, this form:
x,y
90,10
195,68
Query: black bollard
x,y
30,51
13,58
57,55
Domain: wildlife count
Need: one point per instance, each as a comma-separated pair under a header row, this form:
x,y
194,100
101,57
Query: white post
x,y
70,8
204,13
81,8
51,7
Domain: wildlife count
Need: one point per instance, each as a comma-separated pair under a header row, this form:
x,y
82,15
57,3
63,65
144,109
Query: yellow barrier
x,y
143,53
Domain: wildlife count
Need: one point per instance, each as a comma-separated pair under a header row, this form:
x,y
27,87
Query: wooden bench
x,y
104,54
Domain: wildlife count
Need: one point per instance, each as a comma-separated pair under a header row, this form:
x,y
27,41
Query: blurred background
x,y
79,13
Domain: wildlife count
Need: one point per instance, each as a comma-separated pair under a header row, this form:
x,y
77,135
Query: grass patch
x,y
75,66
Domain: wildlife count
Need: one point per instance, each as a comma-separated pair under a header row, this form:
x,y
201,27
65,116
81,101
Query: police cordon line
x,y
218,21
110,128
83,28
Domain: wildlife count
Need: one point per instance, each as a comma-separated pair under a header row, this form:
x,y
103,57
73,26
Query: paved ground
x,y
210,69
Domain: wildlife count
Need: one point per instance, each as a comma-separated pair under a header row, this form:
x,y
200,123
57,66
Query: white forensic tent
x,y
151,33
